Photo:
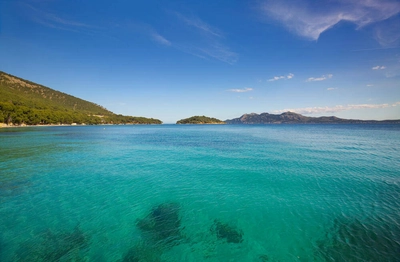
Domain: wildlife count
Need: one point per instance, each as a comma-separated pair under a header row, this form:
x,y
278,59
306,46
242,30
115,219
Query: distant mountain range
x,y
23,102
293,118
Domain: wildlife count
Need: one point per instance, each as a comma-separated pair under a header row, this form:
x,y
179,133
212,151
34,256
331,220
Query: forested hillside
x,y
25,102
200,120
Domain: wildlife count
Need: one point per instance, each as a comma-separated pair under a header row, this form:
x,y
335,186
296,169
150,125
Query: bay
x,y
200,193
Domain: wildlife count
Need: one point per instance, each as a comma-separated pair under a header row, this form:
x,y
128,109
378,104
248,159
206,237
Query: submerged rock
x,y
162,223
225,231
355,240
263,258
142,252
61,246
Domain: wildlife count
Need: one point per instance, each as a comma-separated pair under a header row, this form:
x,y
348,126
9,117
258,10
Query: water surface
x,y
200,193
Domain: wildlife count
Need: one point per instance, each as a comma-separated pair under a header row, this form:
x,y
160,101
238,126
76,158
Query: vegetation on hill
x,y
200,120
25,102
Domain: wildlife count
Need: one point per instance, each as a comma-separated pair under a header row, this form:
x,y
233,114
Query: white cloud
x,y
378,67
331,88
247,89
370,85
217,51
322,78
52,20
160,39
394,71
200,25
204,48
203,40
275,78
150,32
311,18
334,109
388,33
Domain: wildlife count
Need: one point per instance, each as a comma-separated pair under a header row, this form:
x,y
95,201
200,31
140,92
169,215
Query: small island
x,y
200,120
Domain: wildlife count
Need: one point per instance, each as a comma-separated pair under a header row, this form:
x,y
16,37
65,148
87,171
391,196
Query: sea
x,y
200,193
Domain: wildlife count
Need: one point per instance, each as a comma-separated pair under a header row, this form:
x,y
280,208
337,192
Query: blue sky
x,y
174,59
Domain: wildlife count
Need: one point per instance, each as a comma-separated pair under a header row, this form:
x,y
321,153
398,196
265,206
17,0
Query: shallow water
x,y
200,193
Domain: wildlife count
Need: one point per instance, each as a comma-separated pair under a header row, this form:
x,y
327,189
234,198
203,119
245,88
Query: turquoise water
x,y
200,193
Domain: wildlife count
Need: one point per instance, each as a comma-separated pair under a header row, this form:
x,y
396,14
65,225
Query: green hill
x,y
25,102
200,120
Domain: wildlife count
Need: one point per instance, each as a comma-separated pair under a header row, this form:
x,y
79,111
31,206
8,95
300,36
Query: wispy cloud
x,y
199,24
378,67
52,20
331,88
322,78
394,71
369,85
160,39
150,32
246,89
219,52
311,18
338,108
203,40
388,33
275,78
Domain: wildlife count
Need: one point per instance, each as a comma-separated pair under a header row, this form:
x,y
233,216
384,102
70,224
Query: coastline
x,y
2,125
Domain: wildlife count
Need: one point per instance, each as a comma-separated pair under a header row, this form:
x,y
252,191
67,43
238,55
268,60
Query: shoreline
x,y
5,126
2,125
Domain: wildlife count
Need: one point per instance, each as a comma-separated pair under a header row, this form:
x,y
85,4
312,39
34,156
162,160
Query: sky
x,y
223,58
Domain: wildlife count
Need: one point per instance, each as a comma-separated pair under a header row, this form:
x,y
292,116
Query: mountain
x,y
200,120
25,102
293,118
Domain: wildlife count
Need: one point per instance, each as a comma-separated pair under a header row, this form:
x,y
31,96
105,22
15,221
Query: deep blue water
x,y
200,193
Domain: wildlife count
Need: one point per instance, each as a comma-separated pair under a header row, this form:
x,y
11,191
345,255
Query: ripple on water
x,y
351,239
215,193
54,246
